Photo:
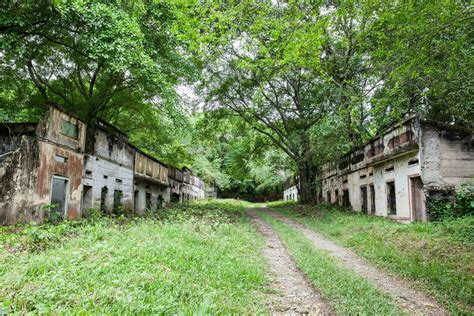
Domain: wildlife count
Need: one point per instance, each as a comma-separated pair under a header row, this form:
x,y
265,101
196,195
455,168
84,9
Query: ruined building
x,y
394,175
60,168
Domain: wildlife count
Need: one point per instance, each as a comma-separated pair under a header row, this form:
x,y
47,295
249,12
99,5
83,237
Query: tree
x,y
94,57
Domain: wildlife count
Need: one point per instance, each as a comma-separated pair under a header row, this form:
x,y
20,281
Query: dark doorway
x,y
336,193
58,198
363,198
372,199
417,203
118,207
148,201
391,198
86,197
328,196
345,199
136,195
103,199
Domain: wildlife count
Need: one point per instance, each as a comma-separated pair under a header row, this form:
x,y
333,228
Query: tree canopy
x,y
281,86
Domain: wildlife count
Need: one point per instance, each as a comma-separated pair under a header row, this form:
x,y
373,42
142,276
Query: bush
x,y
444,209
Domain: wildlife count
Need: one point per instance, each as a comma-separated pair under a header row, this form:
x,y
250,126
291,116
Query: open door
x,y
59,189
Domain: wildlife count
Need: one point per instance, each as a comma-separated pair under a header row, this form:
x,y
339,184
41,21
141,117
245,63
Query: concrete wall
x,y
19,200
109,165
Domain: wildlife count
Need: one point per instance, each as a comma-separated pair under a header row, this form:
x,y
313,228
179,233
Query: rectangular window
x,y
69,129
363,198
60,159
391,198
58,198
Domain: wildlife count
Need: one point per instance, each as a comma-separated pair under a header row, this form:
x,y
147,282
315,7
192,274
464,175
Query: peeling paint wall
x,y
19,201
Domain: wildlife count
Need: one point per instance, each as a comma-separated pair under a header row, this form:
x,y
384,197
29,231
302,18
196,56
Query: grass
x,y
349,293
191,259
436,257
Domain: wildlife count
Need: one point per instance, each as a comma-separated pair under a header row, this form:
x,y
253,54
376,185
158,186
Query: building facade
x,y
60,168
395,174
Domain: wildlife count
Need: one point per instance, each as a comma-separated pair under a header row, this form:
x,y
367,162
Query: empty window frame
x,y
391,198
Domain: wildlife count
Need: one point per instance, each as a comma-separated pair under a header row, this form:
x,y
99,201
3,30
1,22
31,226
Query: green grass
x,y
349,293
203,258
437,258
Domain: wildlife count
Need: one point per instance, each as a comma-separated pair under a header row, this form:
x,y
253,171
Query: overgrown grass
x,y
438,258
349,293
202,258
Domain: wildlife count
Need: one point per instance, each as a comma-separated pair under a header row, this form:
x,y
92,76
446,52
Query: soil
x,y
412,301
292,292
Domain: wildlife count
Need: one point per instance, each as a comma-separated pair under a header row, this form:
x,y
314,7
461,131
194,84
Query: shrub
x,y
443,209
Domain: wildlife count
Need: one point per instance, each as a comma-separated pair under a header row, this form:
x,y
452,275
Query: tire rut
x,y
294,294
412,301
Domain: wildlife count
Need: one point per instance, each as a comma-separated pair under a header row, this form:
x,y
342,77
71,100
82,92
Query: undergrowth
x,y
349,293
188,259
437,257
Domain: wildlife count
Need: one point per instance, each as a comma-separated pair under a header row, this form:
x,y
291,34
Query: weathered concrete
x,y
420,158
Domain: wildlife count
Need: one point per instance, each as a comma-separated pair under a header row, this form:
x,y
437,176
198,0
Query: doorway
x,y
363,197
417,199
86,198
59,189
372,199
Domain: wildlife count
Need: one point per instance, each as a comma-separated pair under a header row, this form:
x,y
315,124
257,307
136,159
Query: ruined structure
x,y
60,168
395,174
291,193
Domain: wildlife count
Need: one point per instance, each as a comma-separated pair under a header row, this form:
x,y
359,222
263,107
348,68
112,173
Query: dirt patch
x,y
411,300
293,293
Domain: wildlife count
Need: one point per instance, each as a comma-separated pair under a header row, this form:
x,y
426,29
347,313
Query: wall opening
x,y
391,198
336,193
148,201
417,203
372,199
136,195
103,199
118,205
59,189
328,197
86,197
363,198
345,198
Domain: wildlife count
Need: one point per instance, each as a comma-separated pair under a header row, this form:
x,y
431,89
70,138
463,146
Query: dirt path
x,y
413,301
294,294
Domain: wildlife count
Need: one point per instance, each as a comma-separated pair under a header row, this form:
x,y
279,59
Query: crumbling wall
x,y
109,165
19,201
60,161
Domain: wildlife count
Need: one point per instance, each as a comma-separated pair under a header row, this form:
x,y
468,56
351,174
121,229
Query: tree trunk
x,y
308,181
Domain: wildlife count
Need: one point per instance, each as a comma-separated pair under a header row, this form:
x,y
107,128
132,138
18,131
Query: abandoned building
x,y
60,168
290,193
395,174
